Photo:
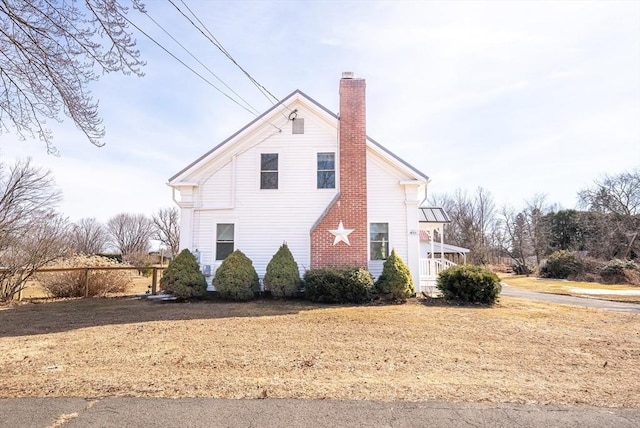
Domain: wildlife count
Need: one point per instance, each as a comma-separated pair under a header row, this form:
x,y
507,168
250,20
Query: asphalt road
x,y
209,412
588,302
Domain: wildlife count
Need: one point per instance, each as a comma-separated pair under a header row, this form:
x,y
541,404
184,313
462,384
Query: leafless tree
x,y
88,236
130,233
617,198
167,228
32,234
534,213
473,219
49,53
617,194
516,241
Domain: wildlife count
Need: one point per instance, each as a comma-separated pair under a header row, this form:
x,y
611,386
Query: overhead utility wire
x,y
218,45
256,112
181,62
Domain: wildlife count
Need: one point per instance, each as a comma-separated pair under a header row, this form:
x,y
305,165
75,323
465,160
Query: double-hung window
x,y
379,241
224,240
269,171
326,170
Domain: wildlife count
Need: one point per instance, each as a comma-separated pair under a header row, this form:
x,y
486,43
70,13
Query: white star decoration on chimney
x,y
341,234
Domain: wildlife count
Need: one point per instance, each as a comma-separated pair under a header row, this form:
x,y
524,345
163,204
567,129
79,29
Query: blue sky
x,y
517,97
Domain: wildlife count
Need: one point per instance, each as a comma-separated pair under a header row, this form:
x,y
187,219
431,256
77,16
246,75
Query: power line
x,y
255,111
218,45
183,63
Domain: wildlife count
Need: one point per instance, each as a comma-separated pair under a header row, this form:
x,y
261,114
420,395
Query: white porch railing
x,y
429,270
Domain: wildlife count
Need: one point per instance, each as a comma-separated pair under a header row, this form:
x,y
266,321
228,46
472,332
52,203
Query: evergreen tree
x,y
183,278
282,277
395,282
236,278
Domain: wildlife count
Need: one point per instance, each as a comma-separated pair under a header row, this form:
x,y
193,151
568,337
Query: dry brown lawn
x,y
517,351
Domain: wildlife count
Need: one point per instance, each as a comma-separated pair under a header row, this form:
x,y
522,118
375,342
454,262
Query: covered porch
x,y
435,255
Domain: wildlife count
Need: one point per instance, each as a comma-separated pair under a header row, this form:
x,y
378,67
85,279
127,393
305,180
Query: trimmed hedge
x,y
236,278
183,278
469,284
283,276
338,285
395,282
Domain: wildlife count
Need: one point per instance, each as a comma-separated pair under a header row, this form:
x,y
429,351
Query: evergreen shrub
x,y
618,271
282,277
338,285
236,278
469,284
183,278
560,265
395,282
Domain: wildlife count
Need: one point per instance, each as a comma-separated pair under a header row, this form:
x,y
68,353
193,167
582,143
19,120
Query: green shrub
x,y
395,282
469,284
338,285
74,283
282,277
560,264
236,278
183,278
618,271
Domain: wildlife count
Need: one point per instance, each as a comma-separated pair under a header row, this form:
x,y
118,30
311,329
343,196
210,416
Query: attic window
x,y
298,126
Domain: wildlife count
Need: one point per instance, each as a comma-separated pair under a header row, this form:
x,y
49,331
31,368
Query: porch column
x,y
413,190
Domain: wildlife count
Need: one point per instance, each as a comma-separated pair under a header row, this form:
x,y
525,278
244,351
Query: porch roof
x,y
447,248
433,215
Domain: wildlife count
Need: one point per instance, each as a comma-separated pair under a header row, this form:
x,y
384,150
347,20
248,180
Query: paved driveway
x,y
588,302
210,412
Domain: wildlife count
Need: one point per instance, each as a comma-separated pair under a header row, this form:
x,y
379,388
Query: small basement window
x,y
298,126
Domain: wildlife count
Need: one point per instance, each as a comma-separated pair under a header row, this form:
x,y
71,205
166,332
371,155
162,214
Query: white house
x,y
304,175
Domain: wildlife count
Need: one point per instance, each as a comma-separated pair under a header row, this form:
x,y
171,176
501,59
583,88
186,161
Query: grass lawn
x,y
574,288
517,351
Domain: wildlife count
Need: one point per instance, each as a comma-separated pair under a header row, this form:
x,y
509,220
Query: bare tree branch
x,y
49,51
167,228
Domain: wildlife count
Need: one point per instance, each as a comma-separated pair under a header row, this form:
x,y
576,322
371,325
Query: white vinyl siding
x,y
265,219
386,204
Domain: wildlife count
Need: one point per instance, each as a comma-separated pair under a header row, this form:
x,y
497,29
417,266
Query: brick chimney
x,y
349,208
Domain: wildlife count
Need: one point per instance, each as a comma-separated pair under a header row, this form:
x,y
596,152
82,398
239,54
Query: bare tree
x,y
130,233
24,191
44,241
473,219
534,213
88,236
516,240
31,233
167,228
49,52
617,198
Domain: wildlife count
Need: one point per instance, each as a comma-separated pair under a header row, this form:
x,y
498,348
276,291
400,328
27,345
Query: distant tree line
x,y
605,226
34,234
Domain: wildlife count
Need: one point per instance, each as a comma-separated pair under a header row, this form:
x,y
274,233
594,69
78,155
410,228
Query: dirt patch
x,y
517,351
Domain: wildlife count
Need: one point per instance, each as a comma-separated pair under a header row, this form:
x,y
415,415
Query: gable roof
x,y
371,143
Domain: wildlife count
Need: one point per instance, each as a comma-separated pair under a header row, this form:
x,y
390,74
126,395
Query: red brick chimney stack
x,y
350,208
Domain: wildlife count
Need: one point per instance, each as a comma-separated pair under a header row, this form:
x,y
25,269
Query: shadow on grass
x,y
46,316
441,302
